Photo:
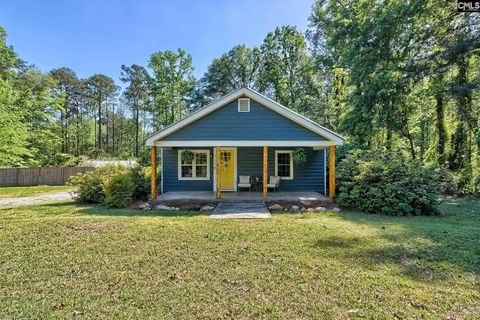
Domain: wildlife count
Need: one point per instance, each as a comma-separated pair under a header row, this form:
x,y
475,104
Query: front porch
x,y
215,172
242,196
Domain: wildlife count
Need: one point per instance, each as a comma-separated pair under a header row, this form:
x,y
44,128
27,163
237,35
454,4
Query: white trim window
x,y
196,169
284,164
244,105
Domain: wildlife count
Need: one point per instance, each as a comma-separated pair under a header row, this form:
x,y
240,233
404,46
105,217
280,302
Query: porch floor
x,y
242,196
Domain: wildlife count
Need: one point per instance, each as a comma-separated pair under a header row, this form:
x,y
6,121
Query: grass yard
x,y
62,261
11,192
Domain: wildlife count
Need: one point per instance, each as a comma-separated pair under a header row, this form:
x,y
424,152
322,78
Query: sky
x,y
91,36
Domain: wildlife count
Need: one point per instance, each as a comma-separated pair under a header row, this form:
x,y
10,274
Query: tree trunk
x,y
441,129
77,133
388,143
100,125
136,112
62,124
113,128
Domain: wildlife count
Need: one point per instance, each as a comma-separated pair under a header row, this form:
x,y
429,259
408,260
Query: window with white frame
x,y
244,105
196,166
284,164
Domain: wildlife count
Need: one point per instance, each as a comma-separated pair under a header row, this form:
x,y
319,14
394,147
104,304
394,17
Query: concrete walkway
x,y
43,198
236,210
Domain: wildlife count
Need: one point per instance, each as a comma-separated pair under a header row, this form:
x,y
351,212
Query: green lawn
x,y
10,192
62,261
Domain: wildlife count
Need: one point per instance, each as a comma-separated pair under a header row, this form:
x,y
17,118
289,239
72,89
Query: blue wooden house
x,y
241,141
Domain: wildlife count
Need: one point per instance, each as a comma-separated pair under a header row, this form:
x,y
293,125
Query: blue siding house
x,y
243,140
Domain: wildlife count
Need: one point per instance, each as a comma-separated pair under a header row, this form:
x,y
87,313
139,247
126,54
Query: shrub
x,y
89,186
119,190
141,181
448,181
386,183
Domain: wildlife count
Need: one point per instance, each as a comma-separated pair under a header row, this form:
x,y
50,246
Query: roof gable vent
x,y
244,105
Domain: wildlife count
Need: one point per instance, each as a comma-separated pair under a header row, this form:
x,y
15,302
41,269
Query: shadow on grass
x,y
427,248
100,211
336,242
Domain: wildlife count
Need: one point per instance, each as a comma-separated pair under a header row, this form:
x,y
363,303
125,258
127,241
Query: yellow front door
x,y
227,169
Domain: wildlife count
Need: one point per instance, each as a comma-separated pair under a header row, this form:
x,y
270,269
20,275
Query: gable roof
x,y
332,137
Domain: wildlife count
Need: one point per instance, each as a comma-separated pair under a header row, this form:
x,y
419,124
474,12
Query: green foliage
x,y
188,156
299,156
89,186
13,133
388,75
114,186
141,181
137,96
172,80
119,191
448,181
232,70
64,160
386,183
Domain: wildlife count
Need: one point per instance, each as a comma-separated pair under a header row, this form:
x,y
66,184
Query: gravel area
x,y
44,198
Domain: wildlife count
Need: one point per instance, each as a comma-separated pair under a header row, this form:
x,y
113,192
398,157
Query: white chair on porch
x,y
274,183
244,182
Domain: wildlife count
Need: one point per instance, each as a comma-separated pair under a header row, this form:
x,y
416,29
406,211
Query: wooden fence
x,y
11,177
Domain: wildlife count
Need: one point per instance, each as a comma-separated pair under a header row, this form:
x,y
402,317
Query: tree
x,y
232,70
287,72
171,85
68,88
100,89
136,94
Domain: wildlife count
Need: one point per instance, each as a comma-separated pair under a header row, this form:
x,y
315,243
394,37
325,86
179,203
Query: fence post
x,y
17,176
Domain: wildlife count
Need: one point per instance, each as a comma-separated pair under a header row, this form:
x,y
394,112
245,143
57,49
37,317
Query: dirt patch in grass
x,y
78,231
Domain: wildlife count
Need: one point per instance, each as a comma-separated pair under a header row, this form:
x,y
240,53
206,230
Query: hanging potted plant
x,y
299,156
188,156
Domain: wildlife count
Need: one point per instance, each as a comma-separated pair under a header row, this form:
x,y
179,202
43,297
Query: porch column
x,y
217,171
331,181
265,173
154,173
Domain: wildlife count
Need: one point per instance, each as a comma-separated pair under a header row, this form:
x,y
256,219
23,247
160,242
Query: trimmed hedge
x,y
387,183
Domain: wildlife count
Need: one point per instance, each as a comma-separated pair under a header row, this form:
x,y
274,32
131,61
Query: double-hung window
x,y
284,164
196,167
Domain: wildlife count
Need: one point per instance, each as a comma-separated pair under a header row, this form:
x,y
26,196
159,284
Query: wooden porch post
x,y
154,173
217,170
265,173
331,181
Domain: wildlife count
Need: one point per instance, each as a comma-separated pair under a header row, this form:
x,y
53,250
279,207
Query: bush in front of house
x,y
115,186
387,183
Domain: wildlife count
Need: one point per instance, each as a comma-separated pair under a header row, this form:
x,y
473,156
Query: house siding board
x,y
170,174
307,177
226,123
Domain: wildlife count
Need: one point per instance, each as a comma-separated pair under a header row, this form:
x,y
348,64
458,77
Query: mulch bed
x,y
305,203
195,205
187,205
